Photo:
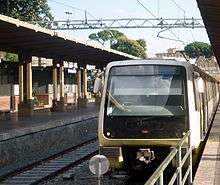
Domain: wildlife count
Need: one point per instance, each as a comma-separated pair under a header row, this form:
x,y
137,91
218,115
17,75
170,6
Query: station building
x,y
171,53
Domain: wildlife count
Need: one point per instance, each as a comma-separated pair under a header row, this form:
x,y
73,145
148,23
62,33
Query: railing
x,y
176,153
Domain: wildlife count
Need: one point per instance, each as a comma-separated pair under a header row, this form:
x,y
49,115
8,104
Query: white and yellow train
x,y
148,105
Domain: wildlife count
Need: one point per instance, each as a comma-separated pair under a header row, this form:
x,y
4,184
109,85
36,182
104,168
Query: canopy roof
x,y
210,11
21,37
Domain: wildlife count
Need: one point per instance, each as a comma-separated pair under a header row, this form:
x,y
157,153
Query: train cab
x,y
148,105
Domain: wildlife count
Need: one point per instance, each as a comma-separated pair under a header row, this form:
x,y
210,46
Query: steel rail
x,y
50,168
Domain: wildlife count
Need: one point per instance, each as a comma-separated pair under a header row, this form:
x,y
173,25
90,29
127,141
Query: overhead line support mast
x,y
161,23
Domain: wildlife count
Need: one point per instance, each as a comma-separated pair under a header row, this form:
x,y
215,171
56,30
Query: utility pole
x,y
68,18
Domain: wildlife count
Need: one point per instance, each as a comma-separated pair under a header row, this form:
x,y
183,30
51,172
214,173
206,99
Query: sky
x,y
131,8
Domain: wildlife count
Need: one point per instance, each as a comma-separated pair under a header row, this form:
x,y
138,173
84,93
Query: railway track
x,y
46,169
80,175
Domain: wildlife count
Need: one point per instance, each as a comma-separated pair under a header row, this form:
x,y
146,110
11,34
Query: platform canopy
x,y
210,11
21,37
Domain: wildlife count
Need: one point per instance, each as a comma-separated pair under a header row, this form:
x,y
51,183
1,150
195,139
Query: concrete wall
x,y
23,150
5,103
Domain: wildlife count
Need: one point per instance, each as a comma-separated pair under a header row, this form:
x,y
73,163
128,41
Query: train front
x,y
143,112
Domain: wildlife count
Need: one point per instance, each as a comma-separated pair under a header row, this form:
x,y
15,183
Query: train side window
x,y
212,90
196,94
209,90
213,87
216,87
206,92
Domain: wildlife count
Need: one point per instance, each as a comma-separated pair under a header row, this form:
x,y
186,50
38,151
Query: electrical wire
x,y
75,8
167,29
151,13
158,8
178,6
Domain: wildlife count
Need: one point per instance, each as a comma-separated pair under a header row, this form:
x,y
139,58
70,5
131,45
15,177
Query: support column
x,y
55,90
85,95
26,106
29,81
61,71
61,103
21,85
82,87
79,83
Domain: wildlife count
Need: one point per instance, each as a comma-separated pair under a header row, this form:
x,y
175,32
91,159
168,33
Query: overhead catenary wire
x,y
167,29
72,7
178,6
158,8
79,9
164,24
184,15
150,12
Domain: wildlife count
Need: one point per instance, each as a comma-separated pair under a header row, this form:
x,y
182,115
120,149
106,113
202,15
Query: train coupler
x,y
145,155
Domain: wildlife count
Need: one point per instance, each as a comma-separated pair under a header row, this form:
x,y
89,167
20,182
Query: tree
x,y
120,42
142,42
197,49
106,35
27,10
129,46
11,57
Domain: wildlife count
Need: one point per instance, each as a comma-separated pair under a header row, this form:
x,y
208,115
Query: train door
x,y
206,106
202,106
200,99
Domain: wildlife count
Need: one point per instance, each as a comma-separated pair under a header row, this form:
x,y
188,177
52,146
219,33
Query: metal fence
x,y
181,161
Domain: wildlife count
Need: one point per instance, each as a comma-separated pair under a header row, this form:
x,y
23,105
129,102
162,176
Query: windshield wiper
x,y
117,103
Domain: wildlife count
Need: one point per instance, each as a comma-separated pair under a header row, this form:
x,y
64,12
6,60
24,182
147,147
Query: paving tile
x,y
208,171
41,121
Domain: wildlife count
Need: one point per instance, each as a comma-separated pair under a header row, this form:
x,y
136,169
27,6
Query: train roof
x,y
152,61
174,62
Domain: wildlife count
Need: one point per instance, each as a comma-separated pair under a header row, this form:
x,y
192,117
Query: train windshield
x,y
146,90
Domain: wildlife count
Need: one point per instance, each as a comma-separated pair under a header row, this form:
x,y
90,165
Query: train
x,y
148,105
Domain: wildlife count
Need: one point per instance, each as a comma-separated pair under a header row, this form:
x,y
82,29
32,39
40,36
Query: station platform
x,y
208,171
14,126
27,140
